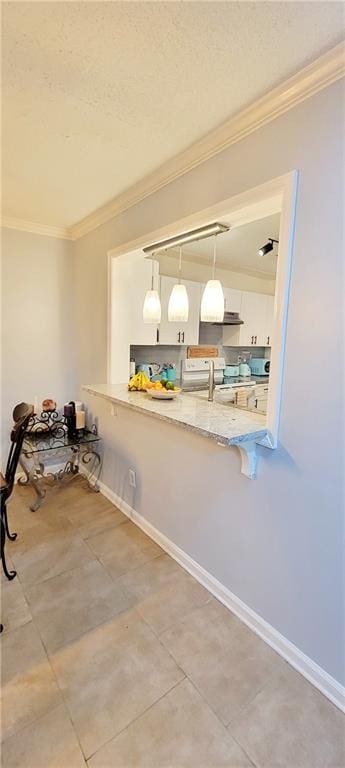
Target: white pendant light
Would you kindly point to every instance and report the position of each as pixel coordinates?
(152, 305)
(212, 304)
(178, 308)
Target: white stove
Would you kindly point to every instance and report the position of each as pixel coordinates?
(195, 371)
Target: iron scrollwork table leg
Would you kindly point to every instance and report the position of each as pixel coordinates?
(9, 574)
(92, 458)
(11, 536)
(32, 478)
(71, 467)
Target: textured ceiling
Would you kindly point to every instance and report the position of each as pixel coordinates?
(237, 248)
(96, 95)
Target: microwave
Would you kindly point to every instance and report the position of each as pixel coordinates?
(259, 366)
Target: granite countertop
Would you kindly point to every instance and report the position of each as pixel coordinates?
(230, 381)
(223, 423)
(251, 379)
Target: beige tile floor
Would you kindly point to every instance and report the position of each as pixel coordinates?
(114, 657)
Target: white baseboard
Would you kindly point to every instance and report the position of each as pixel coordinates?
(334, 691)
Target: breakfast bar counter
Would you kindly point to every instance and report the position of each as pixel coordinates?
(227, 425)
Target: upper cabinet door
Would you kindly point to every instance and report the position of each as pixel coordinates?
(269, 321)
(257, 314)
(253, 314)
(232, 299)
(180, 333)
(141, 333)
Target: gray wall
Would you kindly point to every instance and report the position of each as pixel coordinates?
(277, 542)
(37, 354)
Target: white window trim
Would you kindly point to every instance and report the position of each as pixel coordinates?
(277, 195)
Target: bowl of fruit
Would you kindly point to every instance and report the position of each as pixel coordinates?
(162, 390)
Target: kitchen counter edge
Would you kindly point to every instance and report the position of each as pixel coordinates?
(121, 398)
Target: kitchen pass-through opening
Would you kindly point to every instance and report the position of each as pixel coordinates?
(253, 263)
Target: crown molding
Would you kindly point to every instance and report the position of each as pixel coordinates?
(327, 69)
(37, 229)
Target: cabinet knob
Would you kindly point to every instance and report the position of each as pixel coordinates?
(182, 337)
(179, 336)
(256, 338)
(252, 341)
(268, 340)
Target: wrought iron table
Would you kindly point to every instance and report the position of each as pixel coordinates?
(48, 438)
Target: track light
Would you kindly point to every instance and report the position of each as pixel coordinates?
(187, 237)
(268, 247)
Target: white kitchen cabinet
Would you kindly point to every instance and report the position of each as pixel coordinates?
(139, 283)
(256, 311)
(232, 299)
(180, 333)
(269, 321)
(253, 314)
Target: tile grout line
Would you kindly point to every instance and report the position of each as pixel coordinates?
(75, 534)
(131, 570)
(218, 718)
(36, 719)
(251, 759)
(31, 723)
(224, 725)
(144, 712)
(113, 578)
(61, 692)
(175, 623)
(63, 701)
(161, 644)
(142, 618)
(250, 702)
(86, 632)
(56, 576)
(186, 676)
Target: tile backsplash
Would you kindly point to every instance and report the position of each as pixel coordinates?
(162, 353)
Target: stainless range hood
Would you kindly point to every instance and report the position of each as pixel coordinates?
(230, 318)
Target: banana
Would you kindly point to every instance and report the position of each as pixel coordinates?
(138, 382)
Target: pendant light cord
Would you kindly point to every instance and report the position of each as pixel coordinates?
(180, 267)
(214, 257)
(152, 273)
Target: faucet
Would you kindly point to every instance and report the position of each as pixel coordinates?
(211, 384)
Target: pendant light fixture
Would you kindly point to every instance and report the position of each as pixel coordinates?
(152, 305)
(178, 308)
(212, 304)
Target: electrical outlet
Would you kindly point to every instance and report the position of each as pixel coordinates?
(132, 478)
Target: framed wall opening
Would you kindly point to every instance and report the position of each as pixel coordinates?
(127, 261)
